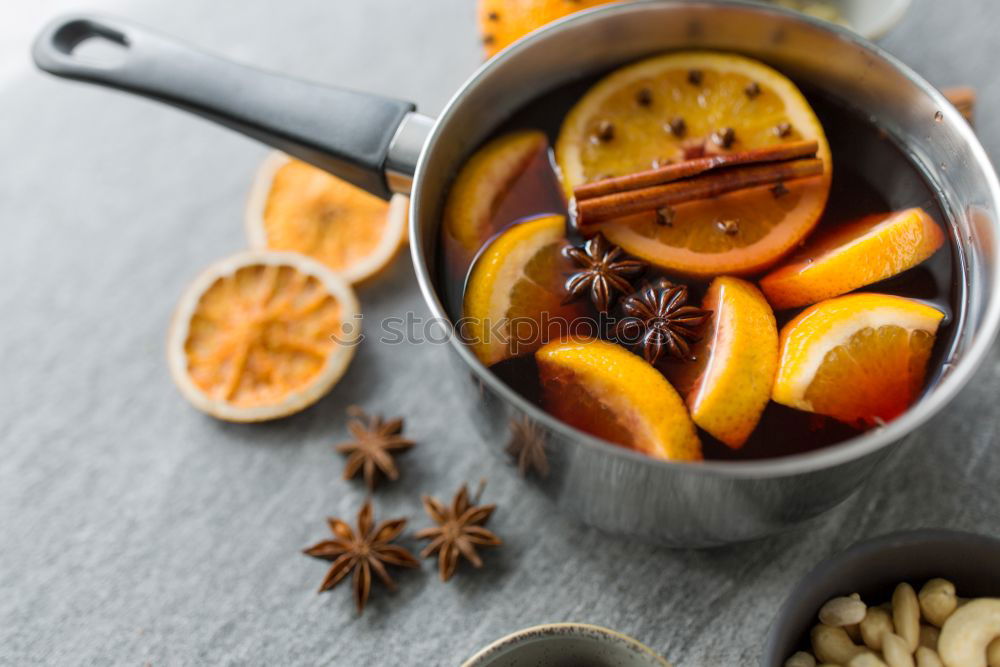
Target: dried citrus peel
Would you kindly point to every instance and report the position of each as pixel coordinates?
(262, 335)
(295, 207)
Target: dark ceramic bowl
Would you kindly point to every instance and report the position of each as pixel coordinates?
(873, 568)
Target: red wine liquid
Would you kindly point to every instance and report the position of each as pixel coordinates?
(870, 175)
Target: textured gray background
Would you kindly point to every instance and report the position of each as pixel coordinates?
(135, 530)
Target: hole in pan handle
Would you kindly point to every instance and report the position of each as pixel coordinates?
(344, 132)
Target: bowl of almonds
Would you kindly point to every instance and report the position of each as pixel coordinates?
(925, 598)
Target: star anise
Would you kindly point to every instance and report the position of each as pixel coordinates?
(527, 447)
(459, 531)
(658, 319)
(363, 552)
(604, 271)
(374, 442)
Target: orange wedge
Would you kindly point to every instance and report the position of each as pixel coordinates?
(296, 207)
(502, 22)
(480, 188)
(860, 358)
(729, 383)
(607, 391)
(672, 107)
(853, 255)
(262, 335)
(514, 298)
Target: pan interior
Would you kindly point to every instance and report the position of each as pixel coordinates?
(832, 61)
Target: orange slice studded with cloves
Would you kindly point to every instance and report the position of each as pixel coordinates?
(262, 335)
(680, 106)
(296, 207)
(502, 22)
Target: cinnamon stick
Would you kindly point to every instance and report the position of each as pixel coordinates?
(673, 172)
(719, 182)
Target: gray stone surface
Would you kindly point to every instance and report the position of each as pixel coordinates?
(134, 530)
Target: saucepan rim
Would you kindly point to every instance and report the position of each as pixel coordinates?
(827, 457)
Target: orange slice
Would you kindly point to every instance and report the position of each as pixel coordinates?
(262, 335)
(480, 188)
(860, 358)
(729, 383)
(514, 296)
(296, 207)
(671, 107)
(607, 391)
(502, 22)
(853, 255)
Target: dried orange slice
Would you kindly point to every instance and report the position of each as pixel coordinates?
(729, 383)
(860, 358)
(514, 298)
(296, 207)
(262, 335)
(481, 187)
(853, 255)
(607, 391)
(502, 22)
(672, 107)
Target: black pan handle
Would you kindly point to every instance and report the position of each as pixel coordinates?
(344, 132)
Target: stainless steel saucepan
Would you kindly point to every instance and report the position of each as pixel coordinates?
(384, 146)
